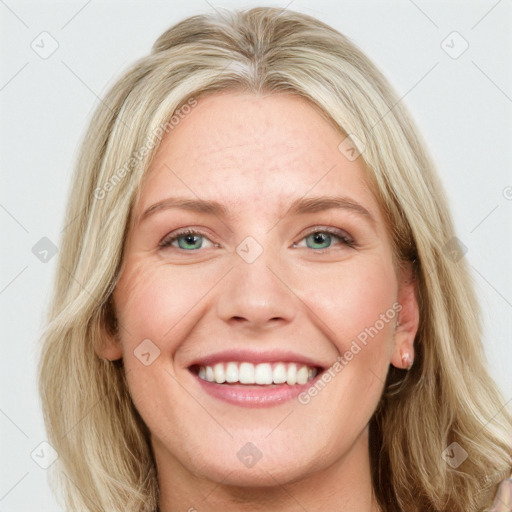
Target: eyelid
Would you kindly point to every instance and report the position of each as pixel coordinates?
(343, 235)
(171, 237)
(328, 229)
(346, 238)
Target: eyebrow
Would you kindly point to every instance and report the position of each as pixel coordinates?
(298, 207)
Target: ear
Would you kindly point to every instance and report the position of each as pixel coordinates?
(108, 343)
(408, 319)
(109, 347)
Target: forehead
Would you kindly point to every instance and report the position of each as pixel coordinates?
(252, 152)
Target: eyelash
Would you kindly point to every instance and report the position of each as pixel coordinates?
(338, 233)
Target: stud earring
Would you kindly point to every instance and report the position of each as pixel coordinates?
(407, 360)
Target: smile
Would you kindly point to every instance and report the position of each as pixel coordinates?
(255, 379)
(262, 374)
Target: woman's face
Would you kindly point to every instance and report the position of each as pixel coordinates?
(288, 270)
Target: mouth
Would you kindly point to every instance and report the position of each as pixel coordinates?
(258, 382)
(262, 374)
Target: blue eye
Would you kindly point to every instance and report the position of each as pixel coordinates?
(318, 237)
(190, 240)
(322, 238)
(187, 240)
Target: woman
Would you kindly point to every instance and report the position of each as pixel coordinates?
(260, 303)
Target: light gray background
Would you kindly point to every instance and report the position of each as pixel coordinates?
(462, 105)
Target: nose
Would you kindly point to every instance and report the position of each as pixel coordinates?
(257, 295)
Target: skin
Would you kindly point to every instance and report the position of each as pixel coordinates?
(255, 155)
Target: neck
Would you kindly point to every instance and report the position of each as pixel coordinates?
(345, 485)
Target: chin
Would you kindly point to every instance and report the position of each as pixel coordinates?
(252, 465)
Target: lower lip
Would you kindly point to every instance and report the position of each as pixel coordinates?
(253, 395)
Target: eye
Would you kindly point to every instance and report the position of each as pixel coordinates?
(321, 238)
(187, 239)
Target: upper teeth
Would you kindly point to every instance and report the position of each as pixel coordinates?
(262, 373)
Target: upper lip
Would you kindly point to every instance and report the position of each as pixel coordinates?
(255, 357)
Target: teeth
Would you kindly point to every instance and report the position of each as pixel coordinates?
(302, 375)
(262, 373)
(218, 372)
(291, 374)
(232, 372)
(246, 373)
(279, 373)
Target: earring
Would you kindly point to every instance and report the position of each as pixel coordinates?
(407, 360)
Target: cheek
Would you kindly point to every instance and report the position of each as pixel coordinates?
(353, 299)
(358, 309)
(153, 305)
(152, 300)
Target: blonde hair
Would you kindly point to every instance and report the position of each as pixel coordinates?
(105, 457)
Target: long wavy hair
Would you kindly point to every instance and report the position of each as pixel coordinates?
(105, 457)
